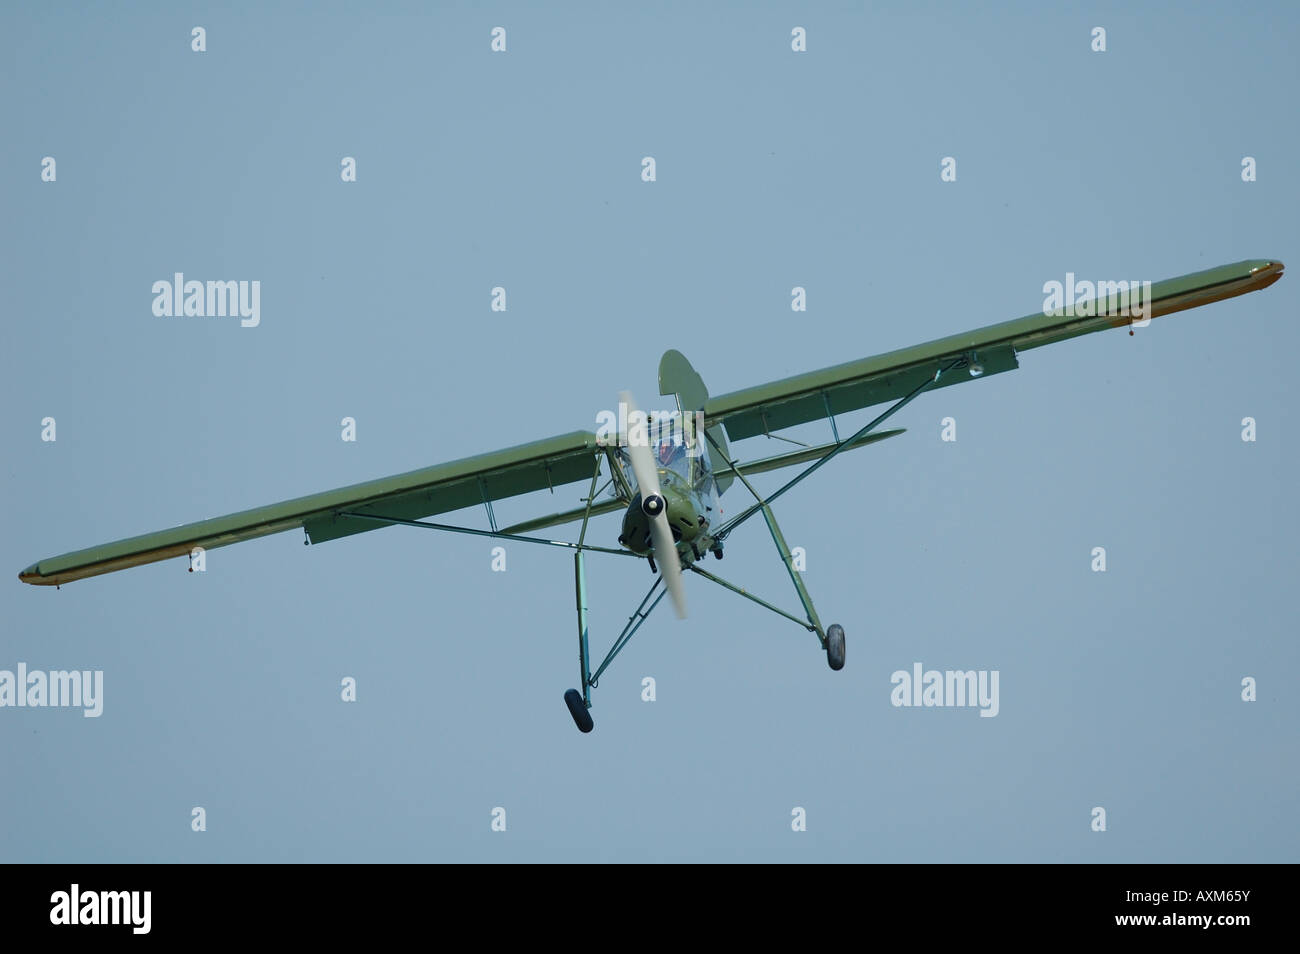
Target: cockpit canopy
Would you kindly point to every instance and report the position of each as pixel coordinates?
(676, 461)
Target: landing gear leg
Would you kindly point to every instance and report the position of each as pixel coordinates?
(832, 640)
(580, 702)
(795, 576)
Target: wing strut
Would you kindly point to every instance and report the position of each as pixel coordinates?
(813, 624)
(736, 521)
(484, 533)
(633, 624)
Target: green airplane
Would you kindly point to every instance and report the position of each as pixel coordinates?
(667, 471)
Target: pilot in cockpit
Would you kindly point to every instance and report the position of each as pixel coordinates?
(671, 454)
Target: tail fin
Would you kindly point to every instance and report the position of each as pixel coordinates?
(677, 377)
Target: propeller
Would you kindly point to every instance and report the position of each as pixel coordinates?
(655, 508)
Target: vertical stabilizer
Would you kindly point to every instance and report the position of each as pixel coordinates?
(677, 377)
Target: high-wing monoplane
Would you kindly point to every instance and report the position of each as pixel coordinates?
(666, 471)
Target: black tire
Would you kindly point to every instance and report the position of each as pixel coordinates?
(578, 709)
(835, 646)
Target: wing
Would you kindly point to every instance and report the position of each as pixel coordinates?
(570, 457)
(410, 496)
(888, 377)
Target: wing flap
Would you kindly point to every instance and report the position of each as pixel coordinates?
(545, 470)
(860, 391)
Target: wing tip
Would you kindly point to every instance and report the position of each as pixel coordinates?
(32, 575)
(1266, 273)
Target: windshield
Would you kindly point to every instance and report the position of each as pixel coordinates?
(670, 455)
(669, 458)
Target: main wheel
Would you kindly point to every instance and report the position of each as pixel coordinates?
(835, 646)
(578, 709)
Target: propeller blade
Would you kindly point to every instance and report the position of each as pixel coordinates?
(643, 464)
(669, 565)
(655, 508)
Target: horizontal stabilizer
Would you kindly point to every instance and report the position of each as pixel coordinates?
(569, 516)
(808, 454)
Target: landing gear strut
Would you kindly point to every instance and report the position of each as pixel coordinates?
(579, 703)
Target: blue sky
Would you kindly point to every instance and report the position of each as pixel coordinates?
(775, 169)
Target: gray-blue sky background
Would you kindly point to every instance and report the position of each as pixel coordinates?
(775, 169)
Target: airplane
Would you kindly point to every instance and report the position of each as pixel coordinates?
(668, 471)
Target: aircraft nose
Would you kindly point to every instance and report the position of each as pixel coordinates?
(681, 516)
